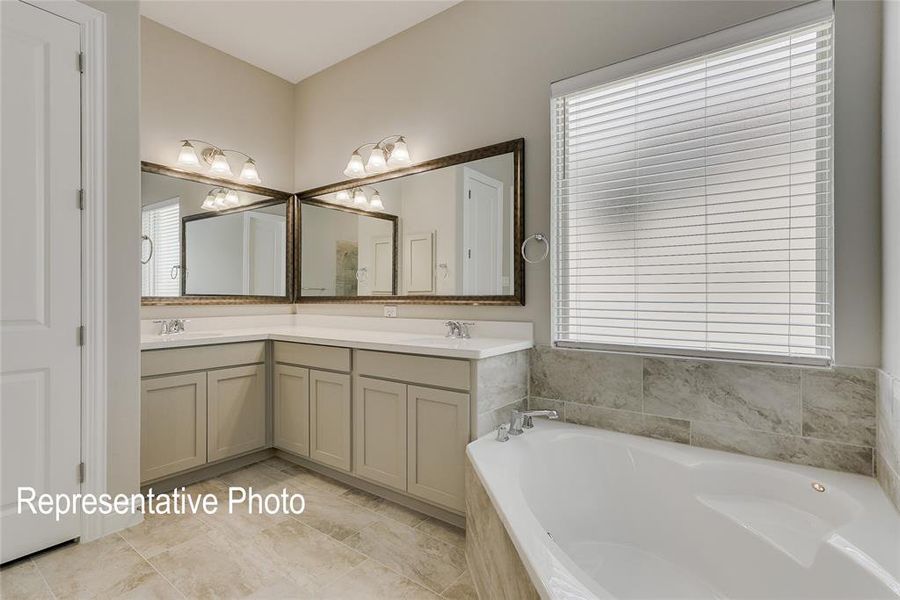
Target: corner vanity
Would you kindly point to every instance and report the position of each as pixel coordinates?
(388, 404)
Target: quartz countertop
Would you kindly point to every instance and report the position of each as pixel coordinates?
(364, 333)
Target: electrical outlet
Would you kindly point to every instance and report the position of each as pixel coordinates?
(390, 311)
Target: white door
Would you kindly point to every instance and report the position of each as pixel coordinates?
(40, 272)
(264, 254)
(482, 233)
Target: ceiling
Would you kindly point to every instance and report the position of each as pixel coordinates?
(292, 39)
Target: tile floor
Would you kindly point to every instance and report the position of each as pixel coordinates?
(348, 544)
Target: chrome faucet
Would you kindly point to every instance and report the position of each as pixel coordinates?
(522, 419)
(170, 326)
(458, 329)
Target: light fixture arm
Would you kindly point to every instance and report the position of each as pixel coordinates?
(218, 148)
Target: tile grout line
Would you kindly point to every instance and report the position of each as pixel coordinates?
(43, 578)
(152, 566)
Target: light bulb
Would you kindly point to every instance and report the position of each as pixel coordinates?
(342, 196)
(220, 165)
(220, 200)
(355, 167)
(376, 162)
(359, 198)
(187, 155)
(209, 203)
(399, 154)
(232, 199)
(249, 172)
(375, 202)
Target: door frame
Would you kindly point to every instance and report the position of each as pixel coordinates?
(93, 25)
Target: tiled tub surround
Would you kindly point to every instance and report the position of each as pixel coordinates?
(887, 437)
(502, 384)
(817, 417)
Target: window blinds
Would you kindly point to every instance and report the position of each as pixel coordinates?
(162, 222)
(692, 205)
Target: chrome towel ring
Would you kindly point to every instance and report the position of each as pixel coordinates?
(146, 238)
(538, 237)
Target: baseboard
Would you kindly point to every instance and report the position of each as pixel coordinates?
(167, 484)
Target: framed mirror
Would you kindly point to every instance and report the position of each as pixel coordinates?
(212, 241)
(447, 231)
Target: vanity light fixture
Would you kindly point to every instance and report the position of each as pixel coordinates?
(375, 202)
(220, 198)
(357, 197)
(342, 196)
(217, 160)
(390, 152)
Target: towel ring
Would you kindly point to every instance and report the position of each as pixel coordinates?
(538, 237)
(146, 238)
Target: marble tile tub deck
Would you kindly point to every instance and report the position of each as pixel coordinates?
(348, 544)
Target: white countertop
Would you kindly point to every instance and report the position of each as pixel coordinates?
(409, 336)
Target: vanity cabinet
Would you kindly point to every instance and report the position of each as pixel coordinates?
(312, 402)
(291, 409)
(173, 424)
(236, 411)
(200, 405)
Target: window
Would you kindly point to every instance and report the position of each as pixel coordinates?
(692, 206)
(161, 274)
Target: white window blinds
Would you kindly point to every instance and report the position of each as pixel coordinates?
(692, 205)
(161, 275)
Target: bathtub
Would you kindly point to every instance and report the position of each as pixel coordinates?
(598, 514)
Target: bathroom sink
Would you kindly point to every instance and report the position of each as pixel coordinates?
(190, 336)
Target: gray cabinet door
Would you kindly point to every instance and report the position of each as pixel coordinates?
(173, 424)
(379, 431)
(329, 419)
(237, 411)
(438, 431)
(291, 409)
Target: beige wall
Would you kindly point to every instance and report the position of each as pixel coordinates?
(189, 89)
(123, 245)
(480, 73)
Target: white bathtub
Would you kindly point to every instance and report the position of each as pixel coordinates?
(597, 514)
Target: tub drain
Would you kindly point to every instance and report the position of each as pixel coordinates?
(818, 486)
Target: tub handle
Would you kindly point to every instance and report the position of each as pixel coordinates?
(503, 433)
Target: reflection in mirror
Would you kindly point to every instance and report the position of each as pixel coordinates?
(202, 239)
(346, 252)
(456, 233)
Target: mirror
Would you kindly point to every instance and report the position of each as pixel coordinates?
(210, 240)
(346, 252)
(447, 231)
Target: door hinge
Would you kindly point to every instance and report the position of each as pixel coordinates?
(81, 335)
(81, 199)
(81, 472)
(470, 194)
(81, 62)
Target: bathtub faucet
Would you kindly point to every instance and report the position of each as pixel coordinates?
(521, 419)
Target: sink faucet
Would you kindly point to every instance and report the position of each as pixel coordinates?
(458, 329)
(522, 419)
(170, 326)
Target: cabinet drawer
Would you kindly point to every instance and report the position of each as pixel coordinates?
(310, 355)
(196, 358)
(441, 372)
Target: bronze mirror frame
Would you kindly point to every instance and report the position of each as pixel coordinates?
(272, 197)
(517, 298)
(298, 252)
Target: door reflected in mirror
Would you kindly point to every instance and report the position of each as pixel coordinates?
(456, 233)
(210, 239)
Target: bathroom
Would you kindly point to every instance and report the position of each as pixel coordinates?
(691, 274)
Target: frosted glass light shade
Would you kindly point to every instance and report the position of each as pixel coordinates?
(359, 198)
(232, 199)
(342, 196)
(376, 162)
(375, 201)
(355, 167)
(220, 165)
(399, 154)
(209, 203)
(249, 172)
(187, 155)
(220, 200)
